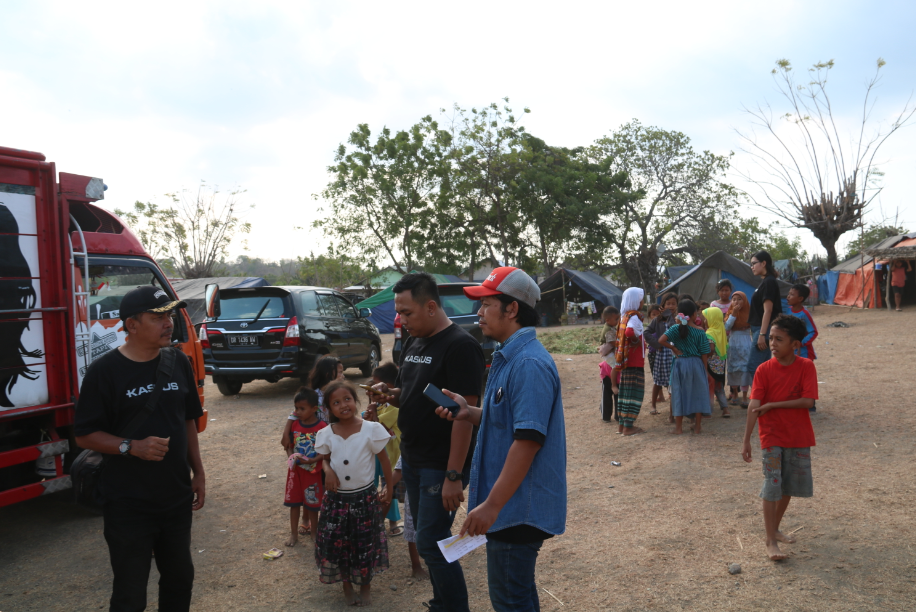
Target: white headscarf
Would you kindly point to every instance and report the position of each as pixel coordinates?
(632, 300)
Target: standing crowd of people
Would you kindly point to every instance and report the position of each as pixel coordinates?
(503, 441)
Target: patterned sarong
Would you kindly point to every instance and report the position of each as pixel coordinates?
(632, 389)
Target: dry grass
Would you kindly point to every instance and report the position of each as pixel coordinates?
(572, 340)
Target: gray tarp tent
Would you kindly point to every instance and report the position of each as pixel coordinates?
(700, 282)
(192, 291)
(580, 287)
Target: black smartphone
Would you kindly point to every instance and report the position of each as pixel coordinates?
(432, 392)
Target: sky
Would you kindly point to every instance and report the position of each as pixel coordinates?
(154, 98)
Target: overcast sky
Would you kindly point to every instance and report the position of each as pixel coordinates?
(153, 97)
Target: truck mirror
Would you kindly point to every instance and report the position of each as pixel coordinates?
(212, 301)
(365, 313)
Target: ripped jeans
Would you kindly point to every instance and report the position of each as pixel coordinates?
(432, 523)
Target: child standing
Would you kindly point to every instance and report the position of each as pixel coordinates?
(796, 299)
(387, 415)
(724, 291)
(651, 313)
(608, 350)
(715, 363)
(689, 388)
(351, 546)
(661, 370)
(303, 479)
(410, 534)
(630, 361)
(739, 347)
(784, 388)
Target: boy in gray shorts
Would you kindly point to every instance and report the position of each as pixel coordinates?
(785, 387)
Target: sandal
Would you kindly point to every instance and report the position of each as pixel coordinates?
(655, 412)
(305, 529)
(396, 531)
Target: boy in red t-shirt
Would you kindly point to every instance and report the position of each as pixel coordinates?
(785, 387)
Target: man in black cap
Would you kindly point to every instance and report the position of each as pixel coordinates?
(146, 480)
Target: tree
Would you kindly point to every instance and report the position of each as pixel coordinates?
(681, 196)
(875, 233)
(806, 175)
(384, 191)
(193, 233)
(333, 269)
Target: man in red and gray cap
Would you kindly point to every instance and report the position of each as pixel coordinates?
(521, 445)
(146, 482)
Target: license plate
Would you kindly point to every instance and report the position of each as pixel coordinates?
(235, 340)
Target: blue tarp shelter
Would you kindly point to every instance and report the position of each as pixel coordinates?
(826, 286)
(580, 287)
(382, 304)
(192, 291)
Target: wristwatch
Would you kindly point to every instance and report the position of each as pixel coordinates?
(452, 475)
(124, 447)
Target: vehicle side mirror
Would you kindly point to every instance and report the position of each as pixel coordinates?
(212, 301)
(365, 313)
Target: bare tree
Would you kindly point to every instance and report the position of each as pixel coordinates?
(806, 175)
(194, 233)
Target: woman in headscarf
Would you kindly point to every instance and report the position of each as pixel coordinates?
(739, 347)
(630, 360)
(715, 365)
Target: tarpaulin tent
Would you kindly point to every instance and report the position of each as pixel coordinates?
(700, 282)
(675, 272)
(382, 304)
(192, 291)
(856, 276)
(579, 287)
(826, 286)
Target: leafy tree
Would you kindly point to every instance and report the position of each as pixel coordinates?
(875, 233)
(193, 233)
(384, 190)
(808, 176)
(682, 196)
(334, 269)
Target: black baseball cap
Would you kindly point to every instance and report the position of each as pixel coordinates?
(147, 298)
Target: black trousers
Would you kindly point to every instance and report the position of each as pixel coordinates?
(132, 538)
(608, 401)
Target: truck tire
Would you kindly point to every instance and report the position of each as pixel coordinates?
(227, 386)
(371, 362)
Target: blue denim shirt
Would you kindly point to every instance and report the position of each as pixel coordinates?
(523, 392)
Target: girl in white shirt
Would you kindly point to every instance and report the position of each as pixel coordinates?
(351, 546)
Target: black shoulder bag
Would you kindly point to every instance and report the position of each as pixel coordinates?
(87, 467)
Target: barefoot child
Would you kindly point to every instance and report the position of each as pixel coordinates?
(410, 534)
(351, 546)
(661, 368)
(608, 350)
(689, 388)
(303, 480)
(652, 311)
(387, 415)
(796, 299)
(739, 348)
(785, 387)
(715, 362)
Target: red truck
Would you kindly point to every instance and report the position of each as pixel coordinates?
(65, 264)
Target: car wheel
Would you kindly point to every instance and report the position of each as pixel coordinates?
(372, 362)
(227, 386)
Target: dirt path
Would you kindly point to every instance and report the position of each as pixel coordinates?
(681, 508)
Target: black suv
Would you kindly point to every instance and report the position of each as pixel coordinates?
(462, 310)
(269, 333)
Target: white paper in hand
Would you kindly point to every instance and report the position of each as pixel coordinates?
(455, 547)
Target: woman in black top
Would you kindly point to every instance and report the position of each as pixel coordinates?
(766, 305)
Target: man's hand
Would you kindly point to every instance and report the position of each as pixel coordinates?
(746, 452)
(331, 481)
(464, 412)
(762, 409)
(452, 494)
(150, 449)
(479, 520)
(198, 488)
(380, 394)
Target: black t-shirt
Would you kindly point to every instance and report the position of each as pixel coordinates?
(113, 391)
(768, 290)
(453, 360)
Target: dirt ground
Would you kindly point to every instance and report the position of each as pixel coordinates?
(655, 533)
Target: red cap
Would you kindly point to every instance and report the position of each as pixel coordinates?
(507, 281)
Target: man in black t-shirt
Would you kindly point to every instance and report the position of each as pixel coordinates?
(146, 480)
(436, 454)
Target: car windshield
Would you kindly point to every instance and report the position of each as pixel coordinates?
(248, 307)
(459, 305)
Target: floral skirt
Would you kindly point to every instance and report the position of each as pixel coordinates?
(351, 545)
